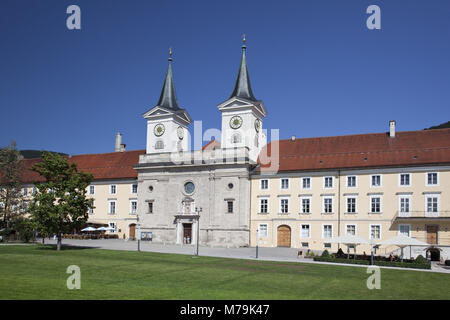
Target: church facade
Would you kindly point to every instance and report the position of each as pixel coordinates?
(203, 194)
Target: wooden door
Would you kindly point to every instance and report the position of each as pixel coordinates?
(432, 233)
(132, 231)
(187, 233)
(284, 236)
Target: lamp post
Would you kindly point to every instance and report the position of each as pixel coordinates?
(197, 210)
(257, 236)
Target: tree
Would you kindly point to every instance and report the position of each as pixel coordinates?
(11, 197)
(60, 204)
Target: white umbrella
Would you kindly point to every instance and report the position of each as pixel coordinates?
(403, 241)
(349, 240)
(89, 229)
(102, 229)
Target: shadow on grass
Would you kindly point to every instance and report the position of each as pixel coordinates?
(64, 247)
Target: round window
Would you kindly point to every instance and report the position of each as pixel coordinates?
(189, 187)
(230, 186)
(150, 188)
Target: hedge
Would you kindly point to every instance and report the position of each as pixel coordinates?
(413, 265)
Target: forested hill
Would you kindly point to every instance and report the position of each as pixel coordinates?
(30, 154)
(441, 126)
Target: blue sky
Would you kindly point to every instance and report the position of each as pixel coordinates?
(316, 66)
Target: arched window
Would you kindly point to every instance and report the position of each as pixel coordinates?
(159, 144)
(236, 138)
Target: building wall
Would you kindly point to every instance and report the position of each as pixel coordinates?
(389, 191)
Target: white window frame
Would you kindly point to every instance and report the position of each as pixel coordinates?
(288, 205)
(400, 180)
(437, 179)
(131, 206)
(370, 204)
(371, 180)
(356, 181)
(370, 231)
(111, 188)
(310, 183)
(404, 225)
(110, 224)
(324, 182)
(24, 191)
(92, 189)
(134, 184)
(433, 195)
(281, 183)
(323, 230)
(261, 184)
(405, 213)
(259, 205)
(109, 207)
(91, 210)
(301, 204)
(309, 231)
(356, 203)
(323, 204)
(351, 224)
(259, 234)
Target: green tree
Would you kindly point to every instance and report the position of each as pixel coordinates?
(60, 204)
(11, 197)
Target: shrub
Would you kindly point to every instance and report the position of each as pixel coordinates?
(325, 254)
(420, 259)
(414, 265)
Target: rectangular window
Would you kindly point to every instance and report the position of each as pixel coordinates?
(112, 226)
(284, 205)
(133, 206)
(264, 184)
(375, 232)
(305, 231)
(306, 183)
(328, 182)
(263, 205)
(305, 244)
(404, 229)
(327, 245)
(376, 180)
(24, 191)
(328, 205)
(284, 183)
(405, 179)
(404, 204)
(327, 231)
(306, 205)
(375, 205)
(351, 205)
(134, 188)
(351, 181)
(112, 189)
(229, 206)
(351, 230)
(262, 230)
(112, 207)
(91, 210)
(91, 189)
(432, 204)
(432, 178)
(150, 207)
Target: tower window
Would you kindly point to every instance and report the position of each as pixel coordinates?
(159, 144)
(236, 138)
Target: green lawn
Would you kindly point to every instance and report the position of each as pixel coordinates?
(39, 272)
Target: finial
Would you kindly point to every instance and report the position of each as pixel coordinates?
(243, 42)
(170, 54)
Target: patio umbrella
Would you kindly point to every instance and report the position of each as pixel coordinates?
(349, 240)
(102, 229)
(89, 229)
(403, 241)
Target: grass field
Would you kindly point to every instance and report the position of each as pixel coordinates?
(39, 272)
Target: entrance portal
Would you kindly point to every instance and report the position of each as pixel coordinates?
(284, 236)
(187, 233)
(132, 231)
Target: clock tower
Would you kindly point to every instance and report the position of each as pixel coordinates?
(166, 122)
(242, 115)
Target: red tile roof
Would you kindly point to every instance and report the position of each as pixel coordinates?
(409, 148)
(103, 166)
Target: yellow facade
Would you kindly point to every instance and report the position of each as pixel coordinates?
(417, 220)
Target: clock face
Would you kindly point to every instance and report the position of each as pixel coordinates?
(236, 122)
(257, 125)
(159, 130)
(180, 133)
